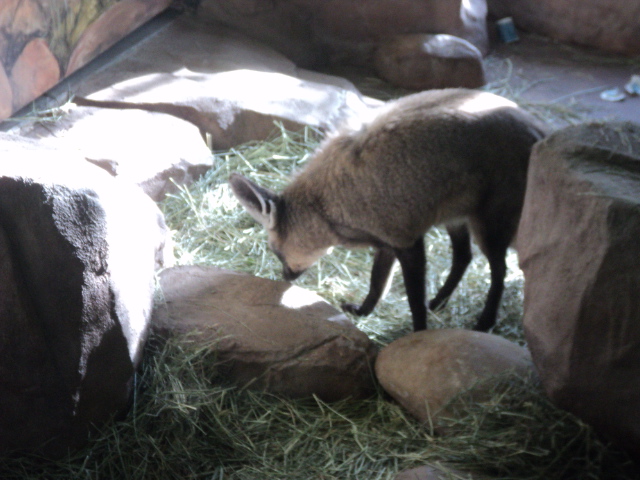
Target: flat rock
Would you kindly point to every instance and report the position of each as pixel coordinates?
(228, 86)
(269, 334)
(424, 371)
(579, 251)
(78, 254)
(155, 151)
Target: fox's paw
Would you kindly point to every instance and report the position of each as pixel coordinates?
(353, 308)
(485, 323)
(438, 303)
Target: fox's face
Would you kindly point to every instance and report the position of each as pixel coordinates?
(295, 254)
(298, 240)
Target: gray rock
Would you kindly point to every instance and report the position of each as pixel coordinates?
(424, 371)
(578, 247)
(421, 62)
(78, 252)
(268, 334)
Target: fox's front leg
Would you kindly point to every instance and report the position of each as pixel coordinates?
(380, 276)
(414, 269)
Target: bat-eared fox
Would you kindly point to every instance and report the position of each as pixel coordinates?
(454, 157)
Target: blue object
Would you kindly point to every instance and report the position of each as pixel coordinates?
(507, 30)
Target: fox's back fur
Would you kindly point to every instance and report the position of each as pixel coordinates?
(435, 157)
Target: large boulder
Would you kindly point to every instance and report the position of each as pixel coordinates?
(579, 250)
(611, 26)
(425, 371)
(267, 334)
(78, 252)
(313, 33)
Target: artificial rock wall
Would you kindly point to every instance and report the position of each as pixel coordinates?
(42, 42)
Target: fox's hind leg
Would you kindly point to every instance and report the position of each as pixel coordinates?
(414, 268)
(461, 246)
(497, 262)
(380, 276)
(494, 240)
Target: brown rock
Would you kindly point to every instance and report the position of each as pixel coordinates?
(116, 22)
(422, 62)
(154, 151)
(611, 26)
(36, 70)
(579, 250)
(311, 32)
(78, 253)
(269, 334)
(424, 371)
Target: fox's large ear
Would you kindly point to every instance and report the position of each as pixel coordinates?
(258, 201)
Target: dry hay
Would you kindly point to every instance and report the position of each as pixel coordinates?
(186, 423)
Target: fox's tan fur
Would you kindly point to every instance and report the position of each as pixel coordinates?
(455, 157)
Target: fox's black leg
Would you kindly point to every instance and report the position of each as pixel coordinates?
(414, 268)
(461, 245)
(380, 276)
(498, 264)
